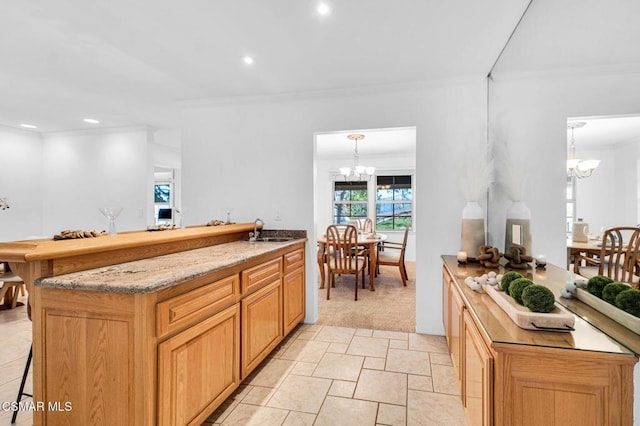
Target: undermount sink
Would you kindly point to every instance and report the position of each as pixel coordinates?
(273, 239)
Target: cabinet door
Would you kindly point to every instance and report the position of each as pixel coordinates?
(478, 376)
(199, 368)
(446, 307)
(294, 299)
(457, 344)
(261, 325)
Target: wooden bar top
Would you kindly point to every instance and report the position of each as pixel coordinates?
(49, 249)
(593, 330)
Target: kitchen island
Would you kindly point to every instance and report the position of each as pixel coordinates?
(128, 335)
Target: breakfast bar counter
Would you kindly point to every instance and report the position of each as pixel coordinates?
(155, 328)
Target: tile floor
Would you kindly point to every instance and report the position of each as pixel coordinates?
(327, 375)
(320, 375)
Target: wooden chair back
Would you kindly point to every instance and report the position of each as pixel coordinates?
(620, 252)
(367, 227)
(343, 244)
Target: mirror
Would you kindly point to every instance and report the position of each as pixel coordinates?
(608, 195)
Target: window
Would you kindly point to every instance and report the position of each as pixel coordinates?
(394, 202)
(349, 201)
(162, 193)
(163, 201)
(571, 205)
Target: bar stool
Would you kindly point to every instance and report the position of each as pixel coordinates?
(12, 286)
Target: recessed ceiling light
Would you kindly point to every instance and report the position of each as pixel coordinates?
(91, 121)
(28, 126)
(323, 9)
(248, 60)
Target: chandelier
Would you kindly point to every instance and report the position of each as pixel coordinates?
(358, 171)
(576, 167)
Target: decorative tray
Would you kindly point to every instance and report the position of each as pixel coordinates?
(557, 320)
(618, 315)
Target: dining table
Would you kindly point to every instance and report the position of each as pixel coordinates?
(591, 248)
(369, 242)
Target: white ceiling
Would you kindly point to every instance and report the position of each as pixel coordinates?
(599, 132)
(132, 62)
(376, 142)
(128, 62)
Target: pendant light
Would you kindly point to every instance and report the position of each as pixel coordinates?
(357, 172)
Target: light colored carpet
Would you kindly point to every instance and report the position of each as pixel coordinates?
(391, 307)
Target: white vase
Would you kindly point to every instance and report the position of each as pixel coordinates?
(472, 235)
(518, 229)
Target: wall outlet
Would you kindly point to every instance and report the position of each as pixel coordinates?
(278, 218)
(140, 213)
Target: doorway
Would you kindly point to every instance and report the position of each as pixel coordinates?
(387, 197)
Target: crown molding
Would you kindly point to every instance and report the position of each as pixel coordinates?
(331, 93)
(101, 130)
(568, 73)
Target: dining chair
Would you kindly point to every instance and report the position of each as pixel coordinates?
(392, 254)
(619, 256)
(344, 256)
(367, 226)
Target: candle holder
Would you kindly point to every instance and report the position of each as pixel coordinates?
(541, 261)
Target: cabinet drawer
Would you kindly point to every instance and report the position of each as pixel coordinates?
(261, 275)
(181, 311)
(293, 260)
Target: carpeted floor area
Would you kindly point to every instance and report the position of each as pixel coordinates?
(391, 307)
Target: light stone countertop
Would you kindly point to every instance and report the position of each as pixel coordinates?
(157, 273)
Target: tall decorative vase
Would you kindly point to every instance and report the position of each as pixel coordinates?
(473, 235)
(518, 230)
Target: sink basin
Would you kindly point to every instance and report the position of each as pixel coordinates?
(274, 239)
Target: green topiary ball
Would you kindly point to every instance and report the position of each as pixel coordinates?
(629, 301)
(596, 284)
(538, 298)
(507, 278)
(611, 290)
(516, 287)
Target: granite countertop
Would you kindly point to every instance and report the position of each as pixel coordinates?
(157, 273)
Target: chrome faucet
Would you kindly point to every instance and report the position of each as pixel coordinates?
(253, 236)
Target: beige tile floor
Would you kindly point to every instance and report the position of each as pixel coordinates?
(320, 375)
(327, 375)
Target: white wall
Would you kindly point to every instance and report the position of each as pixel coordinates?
(86, 170)
(20, 183)
(609, 196)
(257, 158)
(533, 114)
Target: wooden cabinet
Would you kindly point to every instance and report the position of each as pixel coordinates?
(293, 290)
(199, 368)
(457, 343)
(164, 357)
(261, 325)
(478, 375)
(511, 376)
